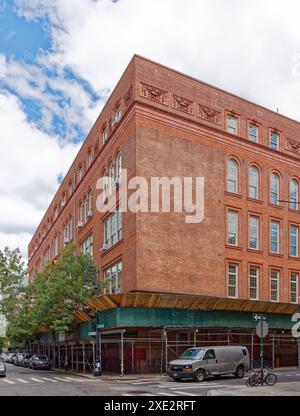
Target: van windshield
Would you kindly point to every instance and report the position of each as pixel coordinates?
(192, 354)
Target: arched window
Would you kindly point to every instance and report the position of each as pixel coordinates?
(274, 189)
(86, 207)
(81, 211)
(233, 176)
(111, 176)
(90, 203)
(253, 182)
(294, 194)
(119, 167)
(105, 184)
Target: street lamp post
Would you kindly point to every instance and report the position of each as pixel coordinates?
(92, 272)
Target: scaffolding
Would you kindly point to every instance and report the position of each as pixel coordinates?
(149, 350)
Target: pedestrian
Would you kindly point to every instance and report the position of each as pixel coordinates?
(66, 365)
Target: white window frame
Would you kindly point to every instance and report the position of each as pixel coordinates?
(113, 278)
(232, 125)
(272, 144)
(253, 236)
(233, 176)
(274, 189)
(233, 228)
(236, 277)
(296, 236)
(253, 183)
(294, 195)
(277, 242)
(277, 290)
(253, 138)
(254, 278)
(294, 281)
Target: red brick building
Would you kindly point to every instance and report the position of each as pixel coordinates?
(245, 254)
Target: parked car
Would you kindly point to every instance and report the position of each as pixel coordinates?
(200, 363)
(2, 369)
(19, 359)
(9, 357)
(39, 362)
(26, 359)
(13, 359)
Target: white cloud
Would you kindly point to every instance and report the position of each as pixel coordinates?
(247, 47)
(30, 161)
(242, 46)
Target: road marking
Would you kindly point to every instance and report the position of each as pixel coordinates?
(50, 379)
(184, 393)
(8, 381)
(36, 379)
(79, 380)
(201, 387)
(63, 379)
(21, 380)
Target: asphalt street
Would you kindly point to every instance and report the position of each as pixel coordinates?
(24, 382)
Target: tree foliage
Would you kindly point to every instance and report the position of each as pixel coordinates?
(51, 299)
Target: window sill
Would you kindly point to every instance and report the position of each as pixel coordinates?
(252, 250)
(276, 255)
(103, 253)
(294, 258)
(233, 195)
(257, 201)
(233, 247)
(275, 206)
(295, 211)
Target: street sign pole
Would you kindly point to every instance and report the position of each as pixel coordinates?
(262, 344)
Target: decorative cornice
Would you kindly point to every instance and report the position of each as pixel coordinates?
(209, 114)
(153, 93)
(292, 145)
(183, 104)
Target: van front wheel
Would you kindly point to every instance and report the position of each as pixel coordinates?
(200, 376)
(240, 372)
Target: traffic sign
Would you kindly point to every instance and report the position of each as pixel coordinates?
(92, 334)
(100, 326)
(258, 317)
(262, 329)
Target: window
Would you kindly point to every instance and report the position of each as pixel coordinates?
(274, 230)
(81, 211)
(86, 208)
(209, 355)
(113, 228)
(294, 195)
(113, 279)
(232, 280)
(104, 135)
(71, 228)
(233, 176)
(233, 228)
(119, 167)
(274, 141)
(294, 287)
(87, 246)
(254, 283)
(70, 189)
(254, 233)
(294, 241)
(118, 115)
(274, 189)
(111, 177)
(105, 184)
(253, 133)
(253, 182)
(232, 124)
(90, 158)
(90, 201)
(80, 173)
(275, 286)
(56, 246)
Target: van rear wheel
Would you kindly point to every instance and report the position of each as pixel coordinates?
(240, 372)
(200, 376)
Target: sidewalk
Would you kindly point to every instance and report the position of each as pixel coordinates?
(113, 377)
(280, 389)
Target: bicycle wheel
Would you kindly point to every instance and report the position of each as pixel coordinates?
(271, 379)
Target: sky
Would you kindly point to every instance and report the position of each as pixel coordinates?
(60, 60)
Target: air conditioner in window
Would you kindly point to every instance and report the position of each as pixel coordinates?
(89, 214)
(118, 182)
(105, 247)
(66, 240)
(80, 224)
(62, 204)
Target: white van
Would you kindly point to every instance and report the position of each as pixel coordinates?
(200, 363)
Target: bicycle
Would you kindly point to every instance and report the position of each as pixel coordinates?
(261, 377)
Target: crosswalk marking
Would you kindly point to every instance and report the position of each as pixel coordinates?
(8, 381)
(21, 380)
(50, 379)
(184, 393)
(199, 387)
(80, 380)
(63, 379)
(36, 379)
